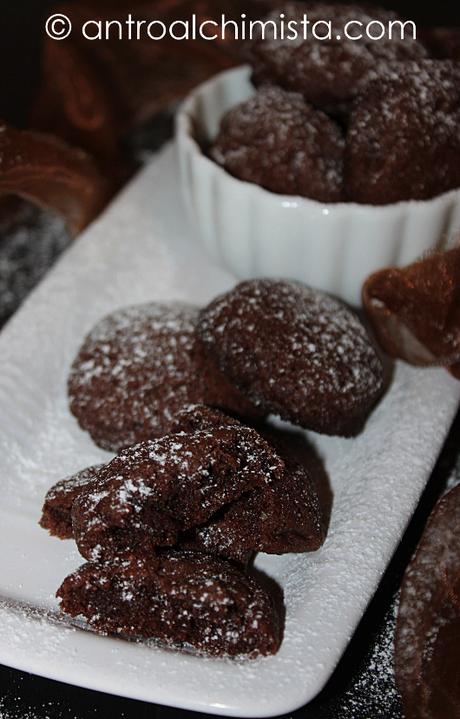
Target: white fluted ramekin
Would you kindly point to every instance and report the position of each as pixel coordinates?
(255, 233)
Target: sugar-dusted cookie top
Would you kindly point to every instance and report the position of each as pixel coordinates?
(404, 135)
(153, 491)
(137, 368)
(297, 352)
(329, 72)
(278, 141)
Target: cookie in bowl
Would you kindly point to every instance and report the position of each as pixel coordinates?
(182, 599)
(328, 73)
(403, 139)
(257, 232)
(278, 141)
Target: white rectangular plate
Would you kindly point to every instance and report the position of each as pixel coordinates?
(139, 250)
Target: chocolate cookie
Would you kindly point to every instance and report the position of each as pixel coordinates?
(57, 508)
(137, 368)
(404, 135)
(153, 491)
(56, 512)
(327, 72)
(280, 517)
(277, 141)
(265, 521)
(179, 598)
(297, 352)
(428, 629)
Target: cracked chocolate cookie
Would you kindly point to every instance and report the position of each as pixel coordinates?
(180, 598)
(277, 518)
(153, 491)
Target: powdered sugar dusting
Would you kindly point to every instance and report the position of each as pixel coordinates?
(72, 484)
(192, 599)
(279, 142)
(27, 250)
(404, 134)
(137, 368)
(310, 66)
(373, 693)
(151, 491)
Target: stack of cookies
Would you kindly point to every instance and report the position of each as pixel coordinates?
(200, 481)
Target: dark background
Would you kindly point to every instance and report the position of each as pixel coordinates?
(23, 696)
(21, 29)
